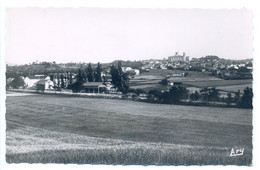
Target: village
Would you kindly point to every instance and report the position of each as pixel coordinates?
(138, 79)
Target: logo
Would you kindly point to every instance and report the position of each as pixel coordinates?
(237, 152)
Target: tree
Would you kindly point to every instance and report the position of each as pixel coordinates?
(70, 80)
(195, 96)
(51, 77)
(119, 78)
(214, 95)
(62, 81)
(76, 87)
(229, 99)
(164, 82)
(90, 73)
(139, 91)
(246, 99)
(119, 67)
(116, 78)
(58, 77)
(175, 95)
(210, 94)
(237, 97)
(153, 95)
(98, 71)
(125, 82)
(104, 78)
(17, 82)
(205, 94)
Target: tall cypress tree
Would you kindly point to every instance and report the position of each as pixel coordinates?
(76, 87)
(90, 73)
(62, 80)
(119, 78)
(98, 77)
(247, 98)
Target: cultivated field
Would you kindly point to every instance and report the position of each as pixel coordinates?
(58, 129)
(150, 80)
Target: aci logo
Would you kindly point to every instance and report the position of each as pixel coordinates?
(237, 152)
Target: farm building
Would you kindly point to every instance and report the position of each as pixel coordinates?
(44, 84)
(9, 82)
(98, 87)
(30, 81)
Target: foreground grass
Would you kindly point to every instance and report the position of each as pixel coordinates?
(35, 145)
(54, 129)
(166, 156)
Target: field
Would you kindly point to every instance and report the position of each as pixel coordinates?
(150, 80)
(58, 129)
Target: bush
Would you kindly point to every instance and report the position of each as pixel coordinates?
(195, 96)
(246, 100)
(164, 82)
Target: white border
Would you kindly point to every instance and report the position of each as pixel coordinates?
(202, 4)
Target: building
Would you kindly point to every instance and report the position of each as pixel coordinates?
(98, 87)
(178, 57)
(130, 71)
(30, 81)
(43, 84)
(9, 82)
(125, 69)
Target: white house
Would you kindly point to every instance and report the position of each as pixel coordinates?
(30, 81)
(45, 84)
(125, 69)
(137, 72)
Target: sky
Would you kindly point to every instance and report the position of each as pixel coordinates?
(106, 34)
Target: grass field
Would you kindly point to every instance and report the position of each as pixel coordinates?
(58, 129)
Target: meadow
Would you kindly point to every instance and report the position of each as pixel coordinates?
(44, 128)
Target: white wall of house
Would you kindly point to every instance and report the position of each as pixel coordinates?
(30, 82)
(49, 84)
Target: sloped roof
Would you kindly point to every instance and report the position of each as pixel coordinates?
(9, 80)
(37, 77)
(42, 81)
(93, 84)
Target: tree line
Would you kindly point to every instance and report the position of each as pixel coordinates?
(119, 79)
(178, 95)
(88, 74)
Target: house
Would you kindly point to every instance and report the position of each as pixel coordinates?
(9, 82)
(30, 81)
(125, 69)
(133, 72)
(98, 87)
(17, 82)
(44, 85)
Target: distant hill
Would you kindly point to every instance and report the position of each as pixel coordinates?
(132, 64)
(11, 64)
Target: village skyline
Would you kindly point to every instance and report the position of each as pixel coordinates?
(86, 62)
(104, 35)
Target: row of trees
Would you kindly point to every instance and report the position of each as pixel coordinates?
(177, 94)
(173, 96)
(119, 78)
(88, 74)
(61, 80)
(244, 101)
(213, 95)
